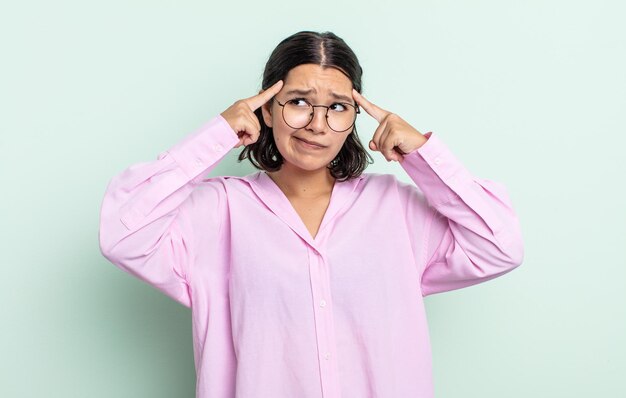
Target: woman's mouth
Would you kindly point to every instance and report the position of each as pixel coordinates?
(306, 144)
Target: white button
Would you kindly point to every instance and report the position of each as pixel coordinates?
(198, 161)
(437, 160)
(322, 303)
(327, 355)
(218, 147)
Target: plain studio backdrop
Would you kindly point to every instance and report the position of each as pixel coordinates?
(531, 94)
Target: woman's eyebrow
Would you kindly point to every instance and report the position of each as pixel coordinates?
(307, 92)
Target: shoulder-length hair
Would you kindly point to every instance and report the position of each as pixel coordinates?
(327, 50)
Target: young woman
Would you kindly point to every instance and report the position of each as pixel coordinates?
(307, 277)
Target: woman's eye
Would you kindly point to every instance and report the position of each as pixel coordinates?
(339, 107)
(296, 100)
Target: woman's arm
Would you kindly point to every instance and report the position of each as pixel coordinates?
(146, 216)
(471, 232)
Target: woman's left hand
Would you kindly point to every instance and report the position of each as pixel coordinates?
(394, 137)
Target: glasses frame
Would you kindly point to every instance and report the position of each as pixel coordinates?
(356, 108)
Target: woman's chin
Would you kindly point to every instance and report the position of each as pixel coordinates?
(307, 166)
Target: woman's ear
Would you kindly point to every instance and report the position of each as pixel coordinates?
(266, 110)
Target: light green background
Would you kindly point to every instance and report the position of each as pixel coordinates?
(531, 94)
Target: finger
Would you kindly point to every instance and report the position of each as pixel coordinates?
(241, 135)
(249, 131)
(247, 126)
(256, 101)
(254, 121)
(388, 144)
(378, 134)
(376, 112)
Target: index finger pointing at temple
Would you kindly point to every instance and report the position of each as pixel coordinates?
(256, 101)
(375, 111)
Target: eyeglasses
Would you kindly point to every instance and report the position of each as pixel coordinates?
(298, 113)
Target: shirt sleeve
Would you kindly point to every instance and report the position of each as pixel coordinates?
(471, 232)
(146, 228)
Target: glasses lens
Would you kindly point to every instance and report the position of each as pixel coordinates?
(341, 116)
(298, 113)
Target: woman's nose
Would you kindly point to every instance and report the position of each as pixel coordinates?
(318, 122)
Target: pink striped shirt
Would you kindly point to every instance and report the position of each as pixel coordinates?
(278, 313)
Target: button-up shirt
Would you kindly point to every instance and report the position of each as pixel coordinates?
(277, 312)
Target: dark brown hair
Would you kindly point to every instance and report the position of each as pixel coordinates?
(327, 50)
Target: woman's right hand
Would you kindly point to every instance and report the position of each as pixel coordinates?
(242, 119)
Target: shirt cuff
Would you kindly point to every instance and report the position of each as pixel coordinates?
(437, 171)
(203, 148)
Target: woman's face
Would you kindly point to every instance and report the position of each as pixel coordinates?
(322, 83)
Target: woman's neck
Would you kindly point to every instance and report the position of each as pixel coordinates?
(303, 184)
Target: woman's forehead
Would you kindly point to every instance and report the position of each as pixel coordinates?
(311, 91)
(310, 79)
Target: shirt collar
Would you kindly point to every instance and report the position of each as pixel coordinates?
(274, 198)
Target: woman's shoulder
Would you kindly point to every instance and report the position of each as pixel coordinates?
(392, 184)
(378, 184)
(229, 184)
(224, 180)
(381, 179)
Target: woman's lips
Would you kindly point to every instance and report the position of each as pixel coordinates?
(308, 145)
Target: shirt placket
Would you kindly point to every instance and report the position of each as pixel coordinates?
(324, 326)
